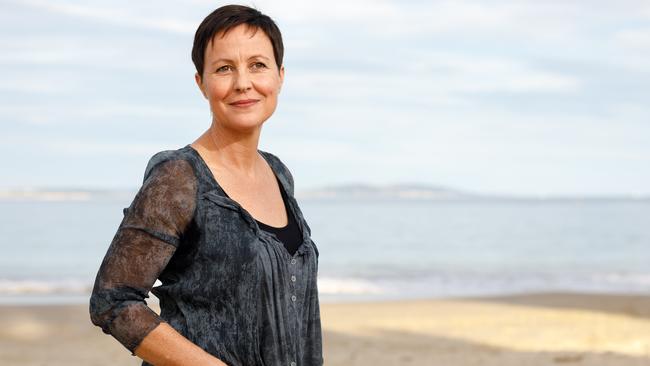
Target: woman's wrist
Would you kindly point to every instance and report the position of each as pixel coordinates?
(164, 346)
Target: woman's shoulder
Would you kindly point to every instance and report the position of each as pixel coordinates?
(280, 168)
(171, 160)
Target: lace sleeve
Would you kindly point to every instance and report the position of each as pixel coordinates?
(149, 234)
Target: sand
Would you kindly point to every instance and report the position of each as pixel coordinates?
(536, 329)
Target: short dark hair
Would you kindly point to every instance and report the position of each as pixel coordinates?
(227, 17)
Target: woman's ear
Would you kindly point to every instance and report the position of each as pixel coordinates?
(281, 77)
(199, 83)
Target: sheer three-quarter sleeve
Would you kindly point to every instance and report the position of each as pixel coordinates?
(150, 232)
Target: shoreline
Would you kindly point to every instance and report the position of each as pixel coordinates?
(522, 329)
(55, 299)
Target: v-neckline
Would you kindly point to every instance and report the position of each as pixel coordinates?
(292, 209)
(281, 186)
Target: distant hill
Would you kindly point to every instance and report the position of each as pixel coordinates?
(66, 194)
(406, 191)
(396, 191)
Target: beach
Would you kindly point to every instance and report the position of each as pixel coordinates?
(531, 329)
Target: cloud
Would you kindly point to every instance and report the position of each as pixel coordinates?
(96, 113)
(115, 15)
(46, 84)
(79, 147)
(468, 73)
(87, 50)
(429, 80)
(631, 48)
(634, 38)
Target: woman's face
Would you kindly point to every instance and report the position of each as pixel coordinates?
(241, 80)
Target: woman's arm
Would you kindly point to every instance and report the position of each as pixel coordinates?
(164, 346)
(143, 245)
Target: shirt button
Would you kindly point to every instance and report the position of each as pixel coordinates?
(293, 278)
(293, 363)
(293, 261)
(293, 297)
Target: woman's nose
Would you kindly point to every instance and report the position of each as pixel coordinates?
(243, 81)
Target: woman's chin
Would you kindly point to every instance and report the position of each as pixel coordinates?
(246, 125)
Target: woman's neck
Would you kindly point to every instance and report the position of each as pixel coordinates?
(232, 150)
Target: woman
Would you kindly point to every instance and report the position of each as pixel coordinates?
(217, 223)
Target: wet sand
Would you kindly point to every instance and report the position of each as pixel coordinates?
(535, 329)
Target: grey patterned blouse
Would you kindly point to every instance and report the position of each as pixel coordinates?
(229, 287)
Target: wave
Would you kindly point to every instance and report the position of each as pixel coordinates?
(356, 286)
(41, 287)
(81, 287)
(442, 284)
(449, 284)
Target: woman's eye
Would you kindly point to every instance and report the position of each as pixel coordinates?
(258, 65)
(224, 68)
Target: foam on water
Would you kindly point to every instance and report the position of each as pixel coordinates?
(331, 288)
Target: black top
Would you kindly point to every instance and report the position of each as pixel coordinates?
(289, 234)
(228, 286)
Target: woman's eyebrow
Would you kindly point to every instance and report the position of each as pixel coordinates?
(220, 60)
(229, 60)
(258, 56)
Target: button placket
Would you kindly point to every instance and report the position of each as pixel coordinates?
(293, 279)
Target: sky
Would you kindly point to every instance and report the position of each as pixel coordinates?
(507, 97)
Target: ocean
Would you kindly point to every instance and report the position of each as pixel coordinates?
(372, 250)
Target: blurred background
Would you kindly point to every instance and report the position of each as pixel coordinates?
(445, 153)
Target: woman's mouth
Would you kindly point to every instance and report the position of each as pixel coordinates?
(244, 102)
